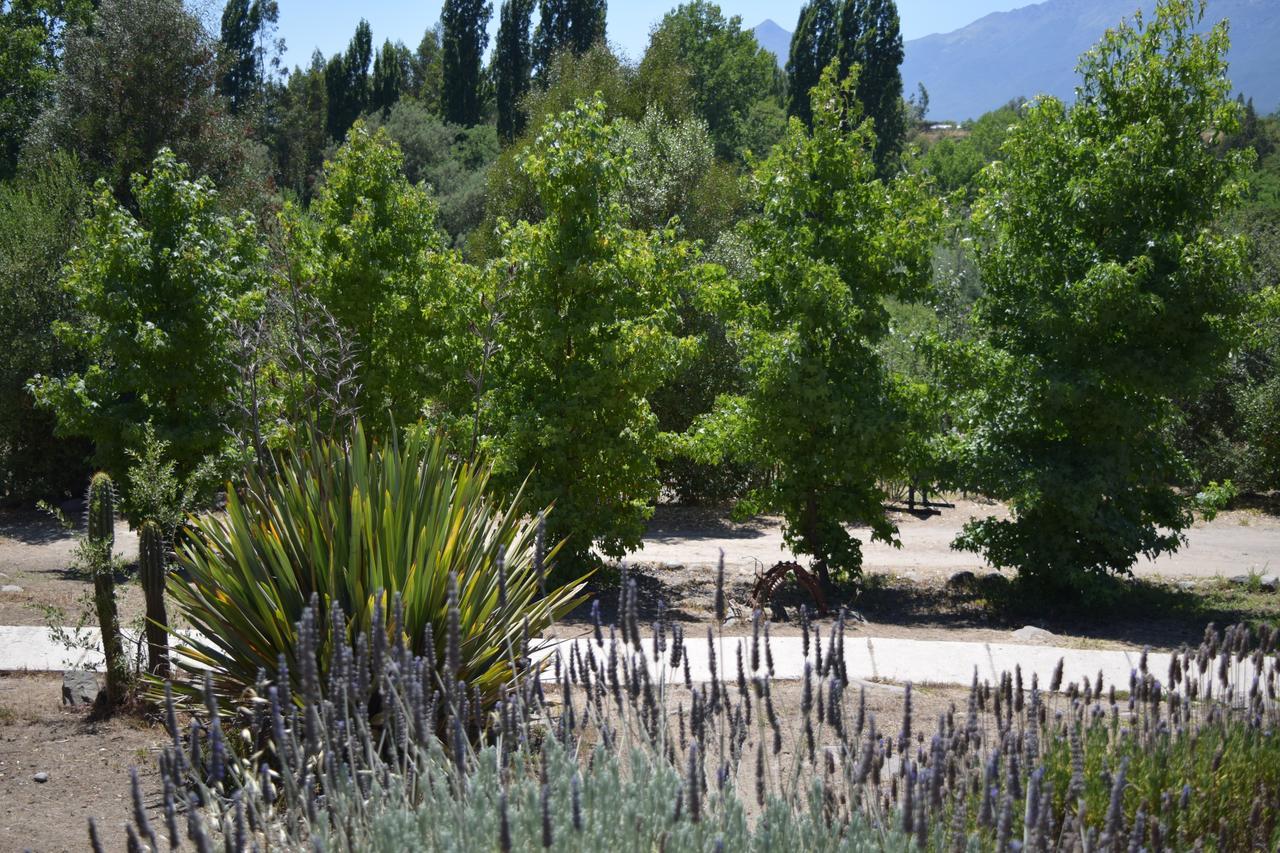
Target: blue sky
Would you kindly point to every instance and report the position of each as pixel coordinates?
(328, 24)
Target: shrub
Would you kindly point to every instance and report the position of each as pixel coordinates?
(381, 534)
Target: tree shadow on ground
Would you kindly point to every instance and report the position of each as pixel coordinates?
(689, 524)
(1138, 612)
(32, 527)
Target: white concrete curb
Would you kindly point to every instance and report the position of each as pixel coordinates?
(866, 658)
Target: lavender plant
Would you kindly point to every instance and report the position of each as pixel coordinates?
(608, 742)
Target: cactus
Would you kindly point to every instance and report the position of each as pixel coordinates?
(101, 524)
(151, 565)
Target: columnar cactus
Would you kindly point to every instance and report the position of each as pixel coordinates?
(151, 564)
(101, 523)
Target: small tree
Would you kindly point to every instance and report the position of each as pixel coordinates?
(156, 295)
(1109, 291)
(589, 308)
(374, 256)
(820, 411)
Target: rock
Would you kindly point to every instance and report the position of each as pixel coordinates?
(41, 777)
(962, 580)
(79, 687)
(1268, 582)
(1032, 634)
(10, 587)
(1188, 586)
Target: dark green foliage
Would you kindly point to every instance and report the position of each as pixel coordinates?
(870, 37)
(119, 101)
(513, 67)
(155, 294)
(427, 71)
(298, 145)
(573, 26)
(31, 40)
(1109, 291)
(100, 509)
(40, 213)
(152, 567)
(464, 37)
(725, 69)
(241, 53)
(346, 82)
(454, 162)
(392, 70)
(814, 46)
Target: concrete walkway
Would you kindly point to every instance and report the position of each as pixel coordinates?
(866, 658)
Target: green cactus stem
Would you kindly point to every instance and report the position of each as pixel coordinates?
(101, 524)
(151, 564)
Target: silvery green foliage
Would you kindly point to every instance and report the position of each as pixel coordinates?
(611, 750)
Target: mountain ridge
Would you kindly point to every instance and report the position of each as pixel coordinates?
(1034, 49)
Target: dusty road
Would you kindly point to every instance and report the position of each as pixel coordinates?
(1234, 543)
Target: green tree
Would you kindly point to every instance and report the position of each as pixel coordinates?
(297, 146)
(155, 295)
(820, 411)
(586, 336)
(31, 38)
(427, 71)
(245, 24)
(40, 213)
(453, 161)
(574, 26)
(1108, 292)
(871, 38)
(813, 47)
(346, 81)
(464, 35)
(372, 248)
(513, 67)
(728, 71)
(119, 100)
(392, 68)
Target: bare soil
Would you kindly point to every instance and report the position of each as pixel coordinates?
(87, 761)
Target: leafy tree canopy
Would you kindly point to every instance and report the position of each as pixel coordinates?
(1108, 291)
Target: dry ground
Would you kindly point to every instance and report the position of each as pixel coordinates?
(87, 761)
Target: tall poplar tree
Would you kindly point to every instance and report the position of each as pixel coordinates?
(813, 47)
(346, 79)
(464, 37)
(392, 68)
(241, 49)
(512, 66)
(574, 25)
(871, 38)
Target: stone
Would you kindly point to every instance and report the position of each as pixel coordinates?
(41, 777)
(1032, 634)
(10, 587)
(962, 580)
(1268, 582)
(79, 687)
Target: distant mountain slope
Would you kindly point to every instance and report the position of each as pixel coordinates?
(1034, 49)
(774, 39)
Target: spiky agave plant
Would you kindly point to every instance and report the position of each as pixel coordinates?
(372, 532)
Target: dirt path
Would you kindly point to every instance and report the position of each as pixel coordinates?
(1234, 543)
(36, 557)
(87, 765)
